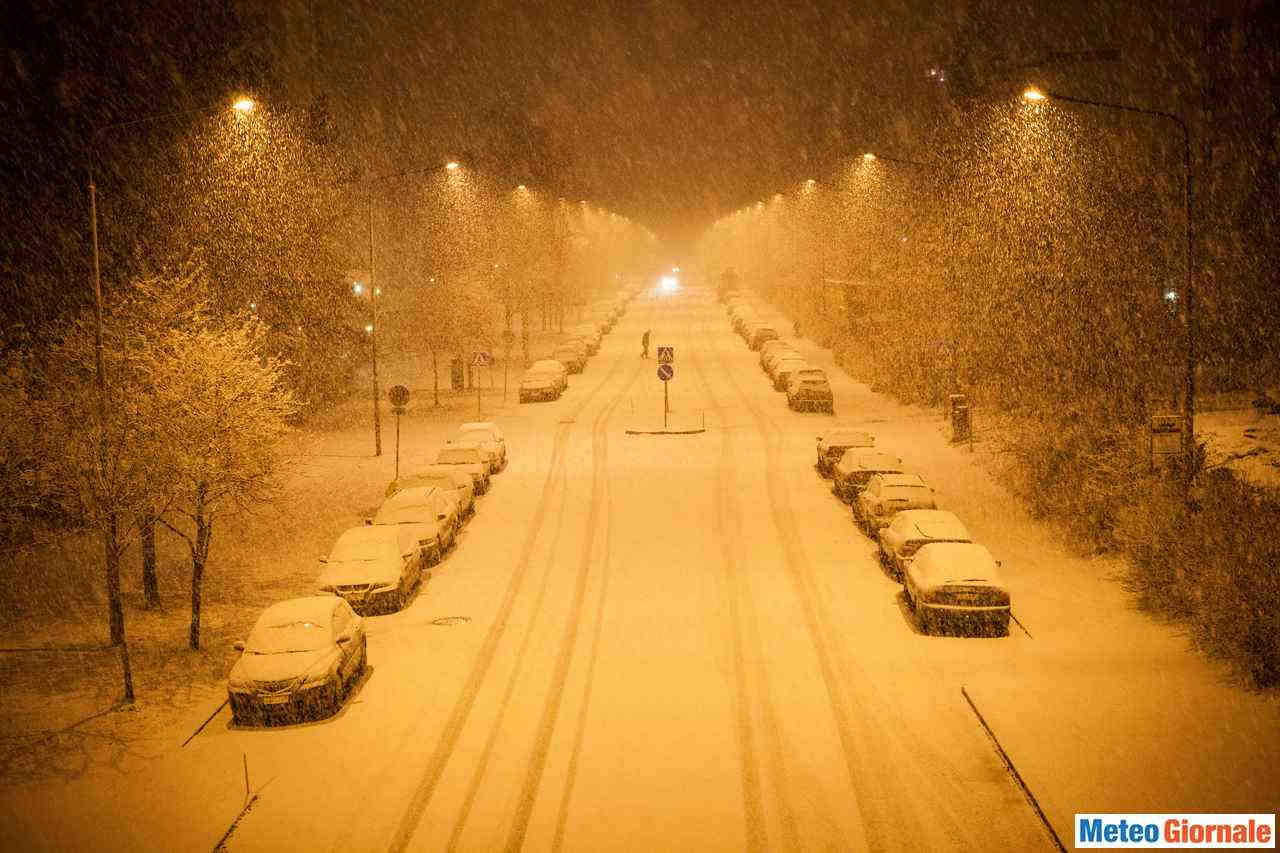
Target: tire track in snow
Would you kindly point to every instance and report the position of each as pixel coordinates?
(564, 656)
(743, 626)
(816, 620)
(461, 712)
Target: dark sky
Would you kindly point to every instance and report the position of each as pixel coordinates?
(670, 111)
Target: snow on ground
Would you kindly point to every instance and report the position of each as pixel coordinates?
(674, 642)
(1245, 440)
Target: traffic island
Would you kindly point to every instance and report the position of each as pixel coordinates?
(675, 425)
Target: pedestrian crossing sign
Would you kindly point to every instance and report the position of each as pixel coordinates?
(666, 355)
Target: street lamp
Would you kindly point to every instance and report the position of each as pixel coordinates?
(1188, 404)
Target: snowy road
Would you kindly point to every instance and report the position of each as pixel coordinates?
(684, 643)
(676, 643)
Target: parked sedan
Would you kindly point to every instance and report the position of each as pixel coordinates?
(572, 354)
(430, 510)
(539, 385)
(555, 368)
(471, 459)
(886, 494)
(375, 566)
(770, 360)
(833, 444)
(856, 467)
(784, 367)
(448, 479)
(810, 389)
(488, 436)
(912, 529)
(774, 345)
(761, 333)
(956, 583)
(302, 656)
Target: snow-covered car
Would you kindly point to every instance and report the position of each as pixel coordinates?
(447, 478)
(301, 658)
(539, 385)
(376, 566)
(741, 316)
(488, 436)
(588, 335)
(555, 368)
(572, 354)
(431, 510)
(887, 494)
(486, 450)
(769, 347)
(833, 443)
(761, 333)
(956, 583)
(856, 467)
(770, 360)
(912, 529)
(784, 367)
(472, 459)
(810, 389)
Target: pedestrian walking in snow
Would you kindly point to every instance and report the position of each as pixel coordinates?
(644, 344)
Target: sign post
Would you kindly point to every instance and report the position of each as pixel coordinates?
(399, 397)
(508, 337)
(481, 359)
(1165, 439)
(665, 372)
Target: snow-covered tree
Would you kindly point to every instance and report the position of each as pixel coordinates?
(224, 410)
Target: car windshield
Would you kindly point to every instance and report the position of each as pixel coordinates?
(287, 636)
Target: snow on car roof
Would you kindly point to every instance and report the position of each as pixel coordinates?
(470, 425)
(931, 524)
(411, 496)
(312, 608)
(460, 453)
(546, 364)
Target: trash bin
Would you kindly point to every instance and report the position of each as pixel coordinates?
(960, 423)
(457, 374)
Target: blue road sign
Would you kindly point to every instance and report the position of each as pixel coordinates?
(665, 372)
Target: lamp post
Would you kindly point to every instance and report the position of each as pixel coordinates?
(114, 603)
(1189, 395)
(374, 290)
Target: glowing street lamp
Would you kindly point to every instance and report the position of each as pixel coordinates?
(243, 105)
(452, 165)
(1188, 303)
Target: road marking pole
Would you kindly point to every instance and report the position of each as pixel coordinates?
(1013, 771)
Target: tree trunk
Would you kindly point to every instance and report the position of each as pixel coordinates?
(524, 333)
(115, 603)
(435, 377)
(150, 585)
(199, 555)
